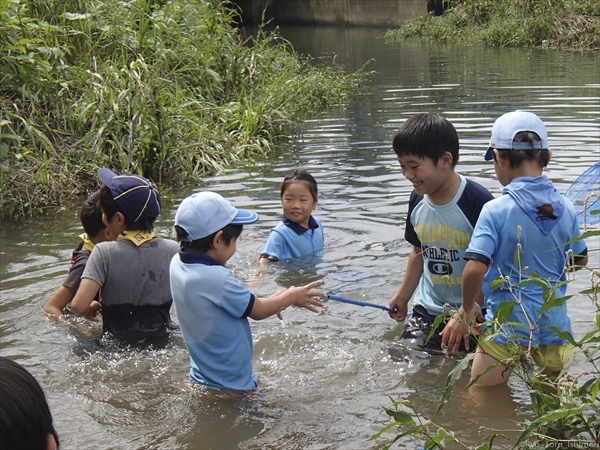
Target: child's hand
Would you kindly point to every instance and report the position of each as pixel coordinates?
(94, 311)
(304, 296)
(457, 329)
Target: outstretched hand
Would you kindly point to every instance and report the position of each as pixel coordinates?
(305, 296)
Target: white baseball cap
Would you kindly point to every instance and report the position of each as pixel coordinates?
(204, 213)
(508, 125)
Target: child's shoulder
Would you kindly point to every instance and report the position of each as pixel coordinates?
(475, 188)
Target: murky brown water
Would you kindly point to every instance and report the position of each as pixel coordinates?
(328, 374)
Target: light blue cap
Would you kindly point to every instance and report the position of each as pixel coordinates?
(204, 213)
(508, 125)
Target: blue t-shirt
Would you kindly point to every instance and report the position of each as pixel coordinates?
(443, 233)
(504, 224)
(212, 309)
(291, 240)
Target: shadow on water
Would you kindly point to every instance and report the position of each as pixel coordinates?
(324, 377)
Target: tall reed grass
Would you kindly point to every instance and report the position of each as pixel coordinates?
(167, 89)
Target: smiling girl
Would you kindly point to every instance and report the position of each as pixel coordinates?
(299, 232)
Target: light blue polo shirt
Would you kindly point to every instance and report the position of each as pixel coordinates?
(502, 225)
(212, 309)
(289, 240)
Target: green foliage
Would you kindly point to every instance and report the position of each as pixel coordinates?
(511, 23)
(166, 89)
(566, 406)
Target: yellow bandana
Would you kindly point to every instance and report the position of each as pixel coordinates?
(137, 237)
(87, 244)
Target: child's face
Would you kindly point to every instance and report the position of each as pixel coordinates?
(502, 169)
(223, 252)
(425, 176)
(298, 203)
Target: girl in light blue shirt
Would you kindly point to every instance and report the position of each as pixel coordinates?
(298, 233)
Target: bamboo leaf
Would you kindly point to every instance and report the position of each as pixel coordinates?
(451, 379)
(554, 303)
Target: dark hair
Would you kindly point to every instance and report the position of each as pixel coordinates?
(300, 175)
(516, 157)
(204, 244)
(91, 215)
(426, 136)
(25, 418)
(110, 208)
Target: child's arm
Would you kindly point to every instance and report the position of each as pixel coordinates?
(58, 301)
(457, 328)
(410, 282)
(83, 304)
(300, 296)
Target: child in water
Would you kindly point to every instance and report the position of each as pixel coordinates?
(95, 232)
(299, 232)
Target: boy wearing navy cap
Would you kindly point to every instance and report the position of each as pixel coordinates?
(131, 273)
(541, 224)
(212, 307)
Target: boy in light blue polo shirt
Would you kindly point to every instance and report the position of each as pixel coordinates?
(531, 216)
(212, 306)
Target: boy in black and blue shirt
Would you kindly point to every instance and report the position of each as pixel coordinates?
(443, 209)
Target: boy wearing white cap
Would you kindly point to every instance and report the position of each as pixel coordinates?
(212, 307)
(534, 218)
(131, 273)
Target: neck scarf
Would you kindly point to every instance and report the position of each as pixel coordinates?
(87, 244)
(137, 237)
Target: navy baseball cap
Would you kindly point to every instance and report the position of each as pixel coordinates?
(204, 213)
(135, 196)
(508, 125)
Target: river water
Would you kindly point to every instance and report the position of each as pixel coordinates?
(326, 376)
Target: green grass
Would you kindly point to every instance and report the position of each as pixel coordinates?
(169, 90)
(566, 24)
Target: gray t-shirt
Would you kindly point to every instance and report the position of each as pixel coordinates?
(134, 284)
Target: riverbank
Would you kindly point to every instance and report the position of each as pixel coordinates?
(563, 24)
(170, 90)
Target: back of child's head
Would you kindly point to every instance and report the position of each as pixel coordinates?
(426, 136)
(133, 196)
(25, 417)
(300, 176)
(91, 215)
(519, 136)
(202, 215)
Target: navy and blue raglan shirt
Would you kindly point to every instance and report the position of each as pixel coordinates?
(443, 233)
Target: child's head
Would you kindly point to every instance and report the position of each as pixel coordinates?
(519, 136)
(25, 418)
(132, 196)
(91, 219)
(299, 197)
(204, 215)
(300, 176)
(426, 136)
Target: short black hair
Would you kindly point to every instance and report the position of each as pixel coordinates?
(516, 157)
(91, 215)
(25, 418)
(426, 136)
(204, 244)
(300, 175)
(110, 208)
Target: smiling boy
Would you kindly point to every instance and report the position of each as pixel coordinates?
(442, 212)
